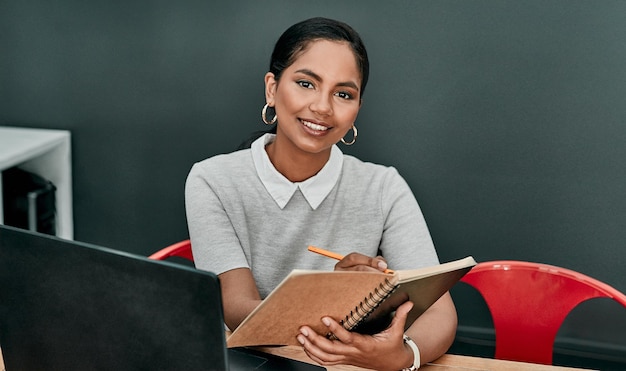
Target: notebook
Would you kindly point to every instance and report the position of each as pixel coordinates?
(363, 301)
(66, 305)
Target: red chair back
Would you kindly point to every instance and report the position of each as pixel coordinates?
(529, 302)
(180, 249)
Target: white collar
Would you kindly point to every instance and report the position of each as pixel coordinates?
(315, 189)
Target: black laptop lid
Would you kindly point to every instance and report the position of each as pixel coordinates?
(66, 305)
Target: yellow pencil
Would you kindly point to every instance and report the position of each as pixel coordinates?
(333, 255)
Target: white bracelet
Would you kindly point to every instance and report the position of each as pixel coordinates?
(416, 354)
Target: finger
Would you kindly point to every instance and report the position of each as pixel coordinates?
(379, 263)
(308, 348)
(323, 360)
(344, 336)
(317, 347)
(360, 262)
(354, 259)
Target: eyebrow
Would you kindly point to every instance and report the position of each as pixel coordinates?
(317, 77)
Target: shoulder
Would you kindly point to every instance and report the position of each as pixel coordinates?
(360, 170)
(222, 169)
(238, 161)
(372, 179)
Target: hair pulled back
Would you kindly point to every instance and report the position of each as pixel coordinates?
(297, 38)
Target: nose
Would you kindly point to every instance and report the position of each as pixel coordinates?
(322, 104)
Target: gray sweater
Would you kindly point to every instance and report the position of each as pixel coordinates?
(234, 222)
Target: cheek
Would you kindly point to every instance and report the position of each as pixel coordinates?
(349, 114)
(288, 100)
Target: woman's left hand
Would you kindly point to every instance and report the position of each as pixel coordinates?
(382, 351)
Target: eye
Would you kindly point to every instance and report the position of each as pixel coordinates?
(344, 95)
(305, 84)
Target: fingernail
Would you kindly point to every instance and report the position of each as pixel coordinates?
(300, 339)
(382, 265)
(304, 332)
(326, 321)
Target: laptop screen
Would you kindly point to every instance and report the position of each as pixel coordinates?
(67, 305)
(70, 305)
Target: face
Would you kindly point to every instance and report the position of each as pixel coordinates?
(317, 97)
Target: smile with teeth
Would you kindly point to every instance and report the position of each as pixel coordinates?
(313, 126)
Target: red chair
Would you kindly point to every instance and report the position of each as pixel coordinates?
(180, 249)
(529, 302)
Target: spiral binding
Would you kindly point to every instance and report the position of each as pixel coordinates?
(367, 306)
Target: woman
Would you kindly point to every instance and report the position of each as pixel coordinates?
(252, 213)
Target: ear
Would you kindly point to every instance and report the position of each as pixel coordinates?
(270, 88)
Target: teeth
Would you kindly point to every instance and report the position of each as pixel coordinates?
(314, 126)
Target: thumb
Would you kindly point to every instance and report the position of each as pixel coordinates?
(402, 313)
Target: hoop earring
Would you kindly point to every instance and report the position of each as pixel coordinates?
(264, 116)
(353, 138)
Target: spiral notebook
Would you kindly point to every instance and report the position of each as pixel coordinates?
(361, 301)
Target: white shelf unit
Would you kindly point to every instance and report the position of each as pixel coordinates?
(46, 153)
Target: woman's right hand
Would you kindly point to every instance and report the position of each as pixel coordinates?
(359, 262)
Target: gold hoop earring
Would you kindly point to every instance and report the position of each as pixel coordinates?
(264, 116)
(353, 138)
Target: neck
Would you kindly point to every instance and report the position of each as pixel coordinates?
(295, 165)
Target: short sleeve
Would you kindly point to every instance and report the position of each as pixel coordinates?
(406, 242)
(215, 245)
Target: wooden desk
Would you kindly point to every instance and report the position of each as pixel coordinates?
(448, 362)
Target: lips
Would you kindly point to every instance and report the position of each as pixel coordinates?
(314, 126)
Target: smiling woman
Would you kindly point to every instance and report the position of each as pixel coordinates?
(317, 102)
(252, 213)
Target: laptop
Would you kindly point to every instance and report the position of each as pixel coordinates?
(67, 305)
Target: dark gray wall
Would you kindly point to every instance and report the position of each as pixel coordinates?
(507, 118)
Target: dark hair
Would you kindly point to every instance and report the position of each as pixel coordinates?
(297, 38)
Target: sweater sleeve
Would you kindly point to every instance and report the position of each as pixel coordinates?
(215, 244)
(406, 242)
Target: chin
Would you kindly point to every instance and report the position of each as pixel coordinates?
(314, 148)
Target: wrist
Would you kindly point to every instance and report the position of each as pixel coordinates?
(416, 354)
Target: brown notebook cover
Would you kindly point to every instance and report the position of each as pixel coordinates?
(361, 301)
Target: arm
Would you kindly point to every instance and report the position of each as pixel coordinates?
(213, 235)
(434, 331)
(239, 295)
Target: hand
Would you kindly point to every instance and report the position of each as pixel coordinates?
(359, 262)
(383, 351)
